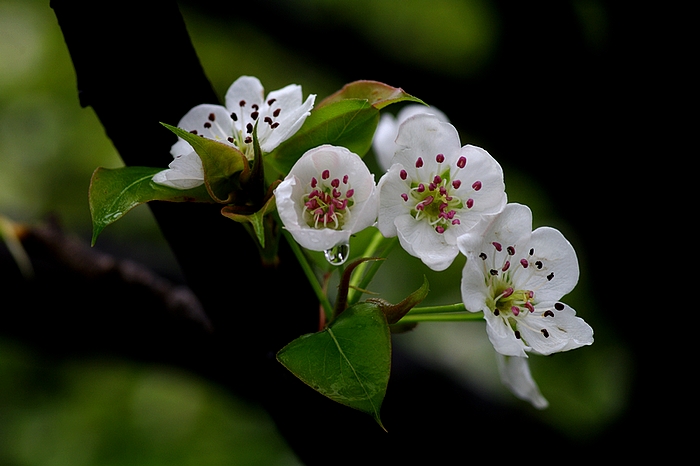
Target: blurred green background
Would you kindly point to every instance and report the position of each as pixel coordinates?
(112, 412)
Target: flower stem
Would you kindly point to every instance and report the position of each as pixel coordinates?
(360, 280)
(449, 317)
(442, 309)
(310, 275)
(444, 313)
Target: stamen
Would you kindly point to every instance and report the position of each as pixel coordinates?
(559, 306)
(462, 162)
(477, 185)
(440, 158)
(212, 117)
(548, 313)
(419, 162)
(545, 332)
(403, 174)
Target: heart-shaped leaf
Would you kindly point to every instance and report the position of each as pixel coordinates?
(349, 361)
(114, 192)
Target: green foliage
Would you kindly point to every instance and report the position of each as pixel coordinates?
(349, 361)
(114, 192)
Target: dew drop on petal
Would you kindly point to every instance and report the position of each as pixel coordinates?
(338, 254)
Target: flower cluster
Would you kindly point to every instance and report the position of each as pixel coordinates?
(438, 197)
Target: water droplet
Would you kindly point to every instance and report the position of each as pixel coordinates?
(337, 255)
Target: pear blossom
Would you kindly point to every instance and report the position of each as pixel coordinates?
(517, 277)
(384, 141)
(328, 195)
(277, 116)
(436, 190)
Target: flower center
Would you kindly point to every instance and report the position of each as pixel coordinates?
(508, 301)
(328, 203)
(244, 124)
(433, 196)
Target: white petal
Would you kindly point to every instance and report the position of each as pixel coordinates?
(515, 374)
(512, 227)
(421, 240)
(558, 258)
(502, 337)
(246, 89)
(563, 329)
(210, 121)
(475, 293)
(425, 136)
(391, 204)
(384, 141)
(290, 120)
(184, 172)
(483, 168)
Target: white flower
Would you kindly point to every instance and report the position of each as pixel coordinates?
(436, 190)
(328, 195)
(384, 141)
(515, 374)
(278, 117)
(517, 277)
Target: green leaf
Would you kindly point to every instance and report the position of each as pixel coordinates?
(348, 362)
(219, 161)
(377, 94)
(114, 192)
(348, 123)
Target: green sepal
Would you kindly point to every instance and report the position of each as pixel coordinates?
(113, 192)
(394, 312)
(376, 93)
(349, 361)
(220, 163)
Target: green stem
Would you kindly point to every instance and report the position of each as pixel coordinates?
(310, 275)
(442, 309)
(443, 313)
(360, 280)
(449, 317)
